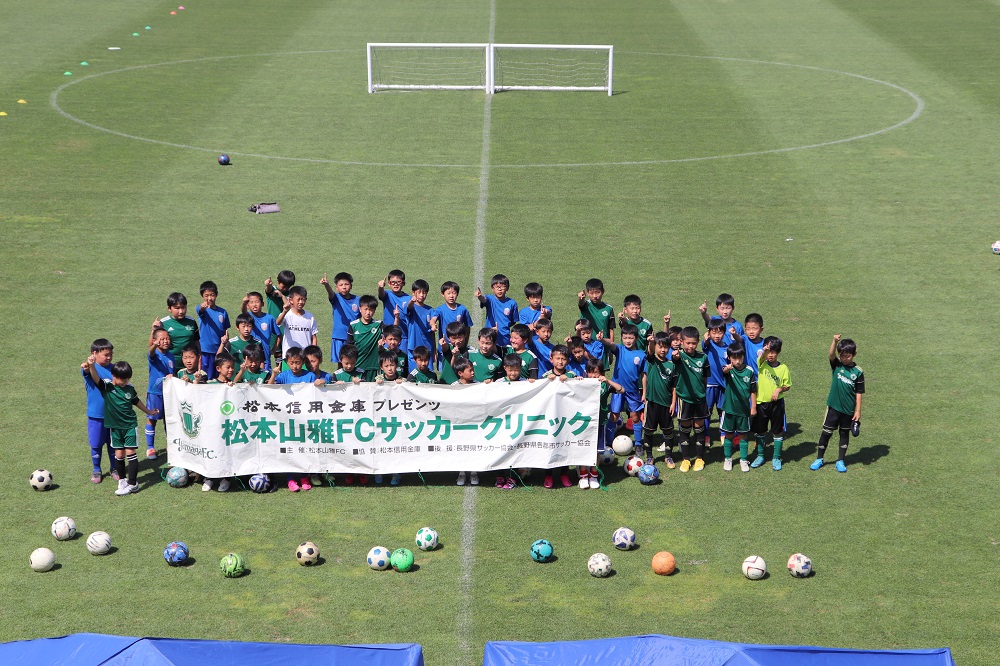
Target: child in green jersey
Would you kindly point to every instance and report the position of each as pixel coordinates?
(466, 375)
(843, 404)
(520, 336)
(389, 373)
(739, 406)
(632, 314)
(366, 334)
(119, 417)
(182, 329)
(191, 360)
(349, 373)
(593, 308)
(486, 362)
(773, 382)
(252, 368)
(422, 373)
(454, 347)
(277, 296)
(692, 376)
(659, 392)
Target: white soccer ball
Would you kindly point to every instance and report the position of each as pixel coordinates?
(42, 559)
(754, 567)
(378, 558)
(427, 538)
(599, 565)
(996, 247)
(607, 456)
(633, 465)
(623, 538)
(41, 479)
(63, 528)
(622, 445)
(799, 565)
(99, 543)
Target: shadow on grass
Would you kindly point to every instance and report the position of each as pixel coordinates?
(868, 455)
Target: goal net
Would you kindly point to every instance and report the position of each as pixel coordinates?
(489, 67)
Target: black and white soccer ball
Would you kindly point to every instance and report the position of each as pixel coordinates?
(307, 553)
(41, 479)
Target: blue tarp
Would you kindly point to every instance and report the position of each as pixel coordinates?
(104, 650)
(663, 650)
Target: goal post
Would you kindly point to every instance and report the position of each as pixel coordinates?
(489, 67)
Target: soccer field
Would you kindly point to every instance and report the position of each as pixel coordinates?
(831, 163)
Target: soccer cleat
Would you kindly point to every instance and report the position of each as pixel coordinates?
(223, 485)
(394, 480)
(685, 465)
(114, 475)
(378, 479)
(205, 487)
(758, 461)
(670, 463)
(349, 480)
(293, 486)
(150, 454)
(744, 466)
(134, 488)
(474, 479)
(776, 464)
(123, 488)
(585, 481)
(649, 460)
(727, 465)
(816, 464)
(548, 481)
(841, 466)
(595, 482)
(363, 479)
(96, 477)
(460, 481)
(304, 483)
(564, 479)
(699, 465)
(510, 484)
(316, 480)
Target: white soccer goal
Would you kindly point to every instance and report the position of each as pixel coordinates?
(489, 67)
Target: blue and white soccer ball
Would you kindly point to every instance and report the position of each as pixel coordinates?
(176, 553)
(623, 538)
(378, 558)
(607, 456)
(427, 538)
(177, 477)
(648, 474)
(542, 551)
(996, 247)
(799, 565)
(260, 483)
(224, 160)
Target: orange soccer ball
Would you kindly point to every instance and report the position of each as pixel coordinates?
(664, 563)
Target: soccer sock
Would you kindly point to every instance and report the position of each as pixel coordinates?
(761, 442)
(119, 464)
(699, 444)
(685, 442)
(777, 447)
(133, 468)
(150, 434)
(824, 439)
(653, 440)
(610, 428)
(95, 457)
(845, 438)
(637, 431)
(727, 446)
(708, 423)
(744, 446)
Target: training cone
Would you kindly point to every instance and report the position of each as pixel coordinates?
(22, 101)
(84, 64)
(149, 27)
(181, 7)
(67, 73)
(3, 113)
(173, 13)
(135, 34)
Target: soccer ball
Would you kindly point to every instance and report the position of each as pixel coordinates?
(648, 474)
(633, 465)
(799, 565)
(307, 553)
(427, 538)
(41, 479)
(996, 247)
(42, 559)
(599, 565)
(622, 445)
(378, 558)
(99, 543)
(623, 538)
(754, 567)
(542, 551)
(401, 559)
(177, 477)
(63, 528)
(176, 553)
(260, 483)
(231, 565)
(664, 563)
(224, 160)
(607, 456)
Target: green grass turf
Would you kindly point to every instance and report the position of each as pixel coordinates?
(890, 247)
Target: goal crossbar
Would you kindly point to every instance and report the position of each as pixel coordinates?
(490, 67)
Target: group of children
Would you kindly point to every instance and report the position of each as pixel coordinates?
(657, 376)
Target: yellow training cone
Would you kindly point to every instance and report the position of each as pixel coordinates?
(3, 113)
(22, 101)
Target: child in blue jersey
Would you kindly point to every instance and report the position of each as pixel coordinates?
(394, 303)
(346, 308)
(314, 360)
(161, 364)
(102, 351)
(264, 325)
(534, 310)
(541, 345)
(449, 311)
(753, 339)
(213, 324)
(724, 305)
(594, 347)
(577, 356)
(419, 316)
(715, 347)
(630, 363)
(501, 309)
(296, 374)
(466, 375)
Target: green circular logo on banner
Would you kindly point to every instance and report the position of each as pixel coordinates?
(227, 408)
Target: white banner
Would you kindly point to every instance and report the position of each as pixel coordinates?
(219, 430)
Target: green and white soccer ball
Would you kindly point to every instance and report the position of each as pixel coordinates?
(427, 538)
(401, 559)
(42, 559)
(307, 553)
(177, 477)
(40, 479)
(63, 528)
(232, 565)
(599, 565)
(99, 543)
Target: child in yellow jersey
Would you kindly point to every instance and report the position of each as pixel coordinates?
(773, 381)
